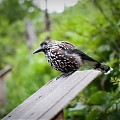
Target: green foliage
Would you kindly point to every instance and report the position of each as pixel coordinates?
(99, 98)
(92, 25)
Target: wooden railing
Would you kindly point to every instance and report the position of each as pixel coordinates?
(49, 101)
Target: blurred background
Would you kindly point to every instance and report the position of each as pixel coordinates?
(93, 26)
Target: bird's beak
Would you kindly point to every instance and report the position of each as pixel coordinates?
(38, 50)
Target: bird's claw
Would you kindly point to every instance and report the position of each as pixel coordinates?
(64, 75)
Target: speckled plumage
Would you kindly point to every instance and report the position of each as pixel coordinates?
(60, 59)
(64, 57)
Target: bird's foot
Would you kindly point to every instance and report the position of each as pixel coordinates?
(64, 75)
(67, 74)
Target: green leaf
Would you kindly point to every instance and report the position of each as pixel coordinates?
(94, 115)
(99, 98)
(115, 106)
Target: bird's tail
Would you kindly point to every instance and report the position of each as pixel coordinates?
(103, 68)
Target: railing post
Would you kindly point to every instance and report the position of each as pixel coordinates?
(59, 116)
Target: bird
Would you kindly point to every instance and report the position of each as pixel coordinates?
(66, 58)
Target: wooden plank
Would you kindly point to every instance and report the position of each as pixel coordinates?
(33, 99)
(5, 70)
(53, 97)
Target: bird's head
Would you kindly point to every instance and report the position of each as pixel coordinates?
(45, 46)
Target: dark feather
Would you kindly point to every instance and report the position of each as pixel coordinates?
(82, 55)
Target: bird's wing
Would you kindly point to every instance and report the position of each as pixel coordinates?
(81, 54)
(66, 45)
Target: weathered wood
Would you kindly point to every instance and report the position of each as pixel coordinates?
(3, 90)
(5, 70)
(53, 97)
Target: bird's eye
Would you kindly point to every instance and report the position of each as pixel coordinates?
(45, 43)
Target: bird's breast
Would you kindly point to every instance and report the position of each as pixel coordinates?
(63, 62)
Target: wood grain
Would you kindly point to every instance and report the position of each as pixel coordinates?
(48, 101)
